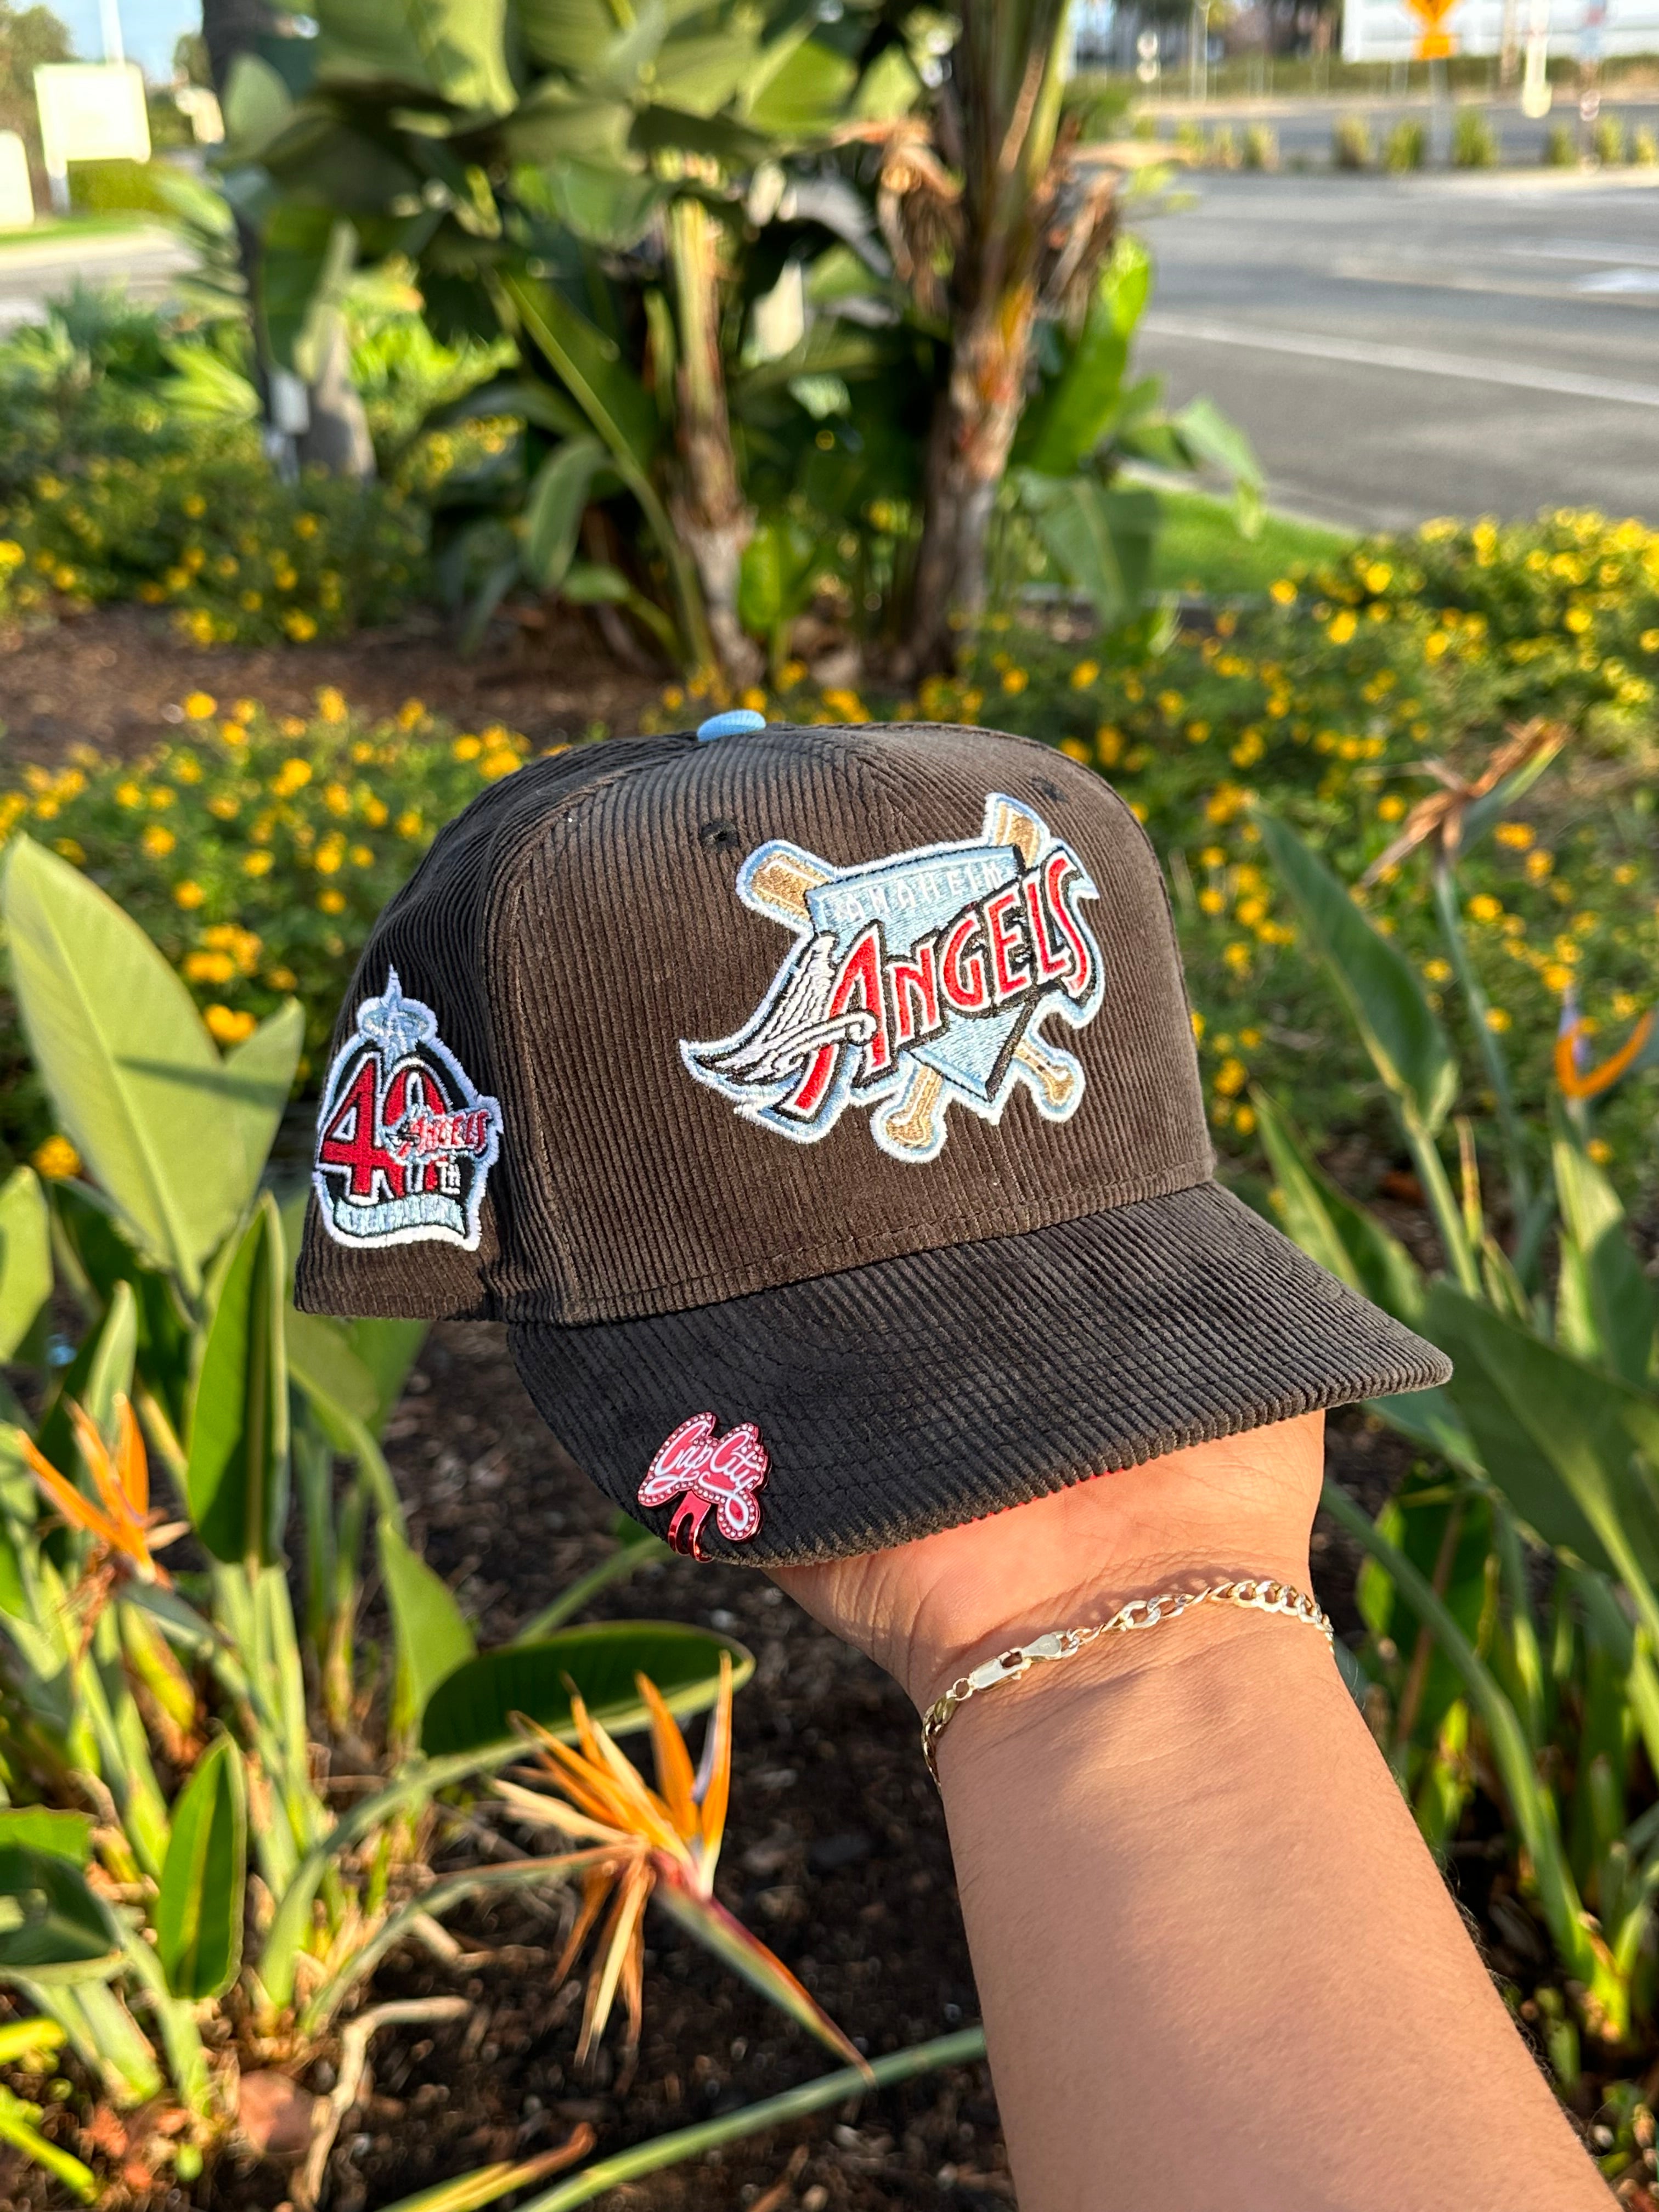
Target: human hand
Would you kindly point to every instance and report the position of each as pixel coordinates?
(928, 1610)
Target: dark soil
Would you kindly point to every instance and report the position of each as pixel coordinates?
(108, 678)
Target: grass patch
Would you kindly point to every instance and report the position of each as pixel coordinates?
(1200, 548)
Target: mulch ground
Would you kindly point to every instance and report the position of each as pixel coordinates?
(108, 678)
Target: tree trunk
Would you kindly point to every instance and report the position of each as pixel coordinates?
(973, 429)
(708, 505)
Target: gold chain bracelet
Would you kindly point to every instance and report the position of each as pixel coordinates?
(1139, 1612)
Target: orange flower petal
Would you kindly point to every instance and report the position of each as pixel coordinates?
(676, 1776)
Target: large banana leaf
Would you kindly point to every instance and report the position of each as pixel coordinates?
(1100, 539)
(1067, 422)
(1407, 1046)
(25, 1257)
(236, 1485)
(136, 1082)
(452, 49)
(473, 1708)
(1571, 1447)
(1343, 1238)
(553, 512)
(198, 1911)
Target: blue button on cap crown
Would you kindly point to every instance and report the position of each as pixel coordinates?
(731, 725)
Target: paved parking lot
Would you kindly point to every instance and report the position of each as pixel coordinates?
(1400, 347)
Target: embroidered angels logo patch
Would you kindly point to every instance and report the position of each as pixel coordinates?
(405, 1143)
(707, 1473)
(915, 981)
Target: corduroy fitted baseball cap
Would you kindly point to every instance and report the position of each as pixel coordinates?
(820, 1110)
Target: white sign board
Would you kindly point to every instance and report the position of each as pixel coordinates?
(16, 197)
(90, 111)
(1387, 30)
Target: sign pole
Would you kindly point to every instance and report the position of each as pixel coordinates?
(109, 18)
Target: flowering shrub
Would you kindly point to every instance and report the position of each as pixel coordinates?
(237, 555)
(257, 850)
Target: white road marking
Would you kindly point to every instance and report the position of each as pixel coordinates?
(1416, 360)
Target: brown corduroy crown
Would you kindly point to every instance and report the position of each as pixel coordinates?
(819, 1107)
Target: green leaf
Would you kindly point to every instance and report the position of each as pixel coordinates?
(554, 509)
(699, 75)
(453, 51)
(1101, 541)
(604, 205)
(1560, 1440)
(24, 1257)
(775, 579)
(102, 1366)
(472, 1709)
(431, 1631)
(65, 1836)
(52, 1926)
(199, 1913)
(1617, 1294)
(552, 124)
(387, 1349)
(321, 1361)
(236, 1485)
(1350, 1243)
(570, 35)
(257, 106)
(259, 1079)
(106, 1257)
(1407, 1046)
(595, 583)
(1073, 415)
(591, 367)
(804, 94)
(124, 1058)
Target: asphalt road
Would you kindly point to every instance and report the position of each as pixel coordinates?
(1400, 347)
(143, 261)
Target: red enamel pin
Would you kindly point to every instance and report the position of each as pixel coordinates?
(707, 1473)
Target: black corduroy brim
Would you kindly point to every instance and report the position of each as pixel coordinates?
(905, 1397)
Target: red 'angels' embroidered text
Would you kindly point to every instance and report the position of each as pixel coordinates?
(708, 1473)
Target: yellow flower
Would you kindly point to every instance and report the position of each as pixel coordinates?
(332, 901)
(1436, 645)
(293, 775)
(337, 799)
(1074, 749)
(1498, 1019)
(305, 525)
(1282, 592)
(1341, 626)
(409, 823)
(1517, 835)
(1198, 731)
(1214, 857)
(256, 864)
(228, 1027)
(1436, 971)
(1244, 1119)
(1483, 906)
(1085, 674)
(360, 856)
(1109, 746)
(1556, 976)
(1197, 1026)
(1539, 863)
(467, 748)
(72, 850)
(1600, 1151)
(1014, 679)
(498, 764)
(1170, 704)
(209, 968)
(1231, 1077)
(1391, 808)
(11, 555)
(1377, 577)
(1237, 957)
(1251, 911)
(1212, 902)
(281, 979)
(188, 895)
(331, 704)
(195, 505)
(245, 710)
(1579, 620)
(129, 795)
(56, 1160)
(160, 798)
(300, 626)
(754, 698)
(158, 842)
(200, 706)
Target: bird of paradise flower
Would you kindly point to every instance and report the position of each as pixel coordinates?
(643, 1843)
(126, 1532)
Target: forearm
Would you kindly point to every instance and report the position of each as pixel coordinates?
(1214, 1957)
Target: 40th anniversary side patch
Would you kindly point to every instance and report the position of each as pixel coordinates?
(914, 980)
(404, 1142)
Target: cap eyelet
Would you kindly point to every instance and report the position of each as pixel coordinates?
(719, 836)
